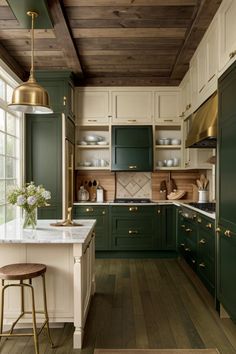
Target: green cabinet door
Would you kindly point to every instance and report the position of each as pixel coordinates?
(132, 148)
(44, 159)
(132, 228)
(101, 214)
(59, 85)
(226, 198)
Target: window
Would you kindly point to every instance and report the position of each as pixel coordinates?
(11, 133)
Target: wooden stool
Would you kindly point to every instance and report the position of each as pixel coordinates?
(21, 272)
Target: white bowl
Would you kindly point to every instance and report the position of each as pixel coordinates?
(93, 138)
(175, 141)
(166, 141)
(87, 163)
(103, 142)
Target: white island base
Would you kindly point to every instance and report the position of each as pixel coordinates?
(70, 279)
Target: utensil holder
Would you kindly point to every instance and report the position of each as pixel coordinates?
(203, 196)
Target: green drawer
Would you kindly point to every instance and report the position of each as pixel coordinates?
(132, 225)
(132, 210)
(132, 242)
(206, 271)
(89, 210)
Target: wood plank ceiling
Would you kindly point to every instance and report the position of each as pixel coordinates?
(111, 42)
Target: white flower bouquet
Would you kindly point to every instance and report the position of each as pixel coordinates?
(29, 197)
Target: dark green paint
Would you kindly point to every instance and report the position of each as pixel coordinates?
(132, 146)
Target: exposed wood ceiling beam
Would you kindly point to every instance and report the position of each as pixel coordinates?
(195, 32)
(64, 37)
(130, 2)
(129, 81)
(12, 63)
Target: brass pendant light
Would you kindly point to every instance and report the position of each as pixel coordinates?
(30, 97)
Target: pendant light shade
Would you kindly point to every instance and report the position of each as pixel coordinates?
(30, 97)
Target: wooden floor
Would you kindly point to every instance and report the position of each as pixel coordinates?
(143, 304)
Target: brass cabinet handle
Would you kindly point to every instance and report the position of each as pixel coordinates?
(103, 212)
(232, 54)
(133, 232)
(132, 120)
(182, 245)
(218, 229)
(202, 265)
(92, 120)
(194, 216)
(193, 261)
(187, 249)
(133, 208)
(209, 226)
(132, 167)
(183, 226)
(228, 233)
(64, 101)
(202, 241)
(199, 220)
(158, 211)
(168, 120)
(188, 230)
(89, 210)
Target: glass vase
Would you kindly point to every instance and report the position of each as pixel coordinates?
(30, 219)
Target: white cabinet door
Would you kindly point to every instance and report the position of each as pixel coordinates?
(185, 99)
(130, 107)
(166, 107)
(227, 34)
(92, 107)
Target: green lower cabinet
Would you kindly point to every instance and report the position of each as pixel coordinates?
(132, 228)
(101, 214)
(190, 243)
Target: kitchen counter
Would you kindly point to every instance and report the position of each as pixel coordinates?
(69, 254)
(12, 232)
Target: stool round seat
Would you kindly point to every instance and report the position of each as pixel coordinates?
(21, 271)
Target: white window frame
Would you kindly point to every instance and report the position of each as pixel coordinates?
(12, 80)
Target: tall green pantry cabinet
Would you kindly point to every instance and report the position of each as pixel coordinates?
(45, 139)
(226, 231)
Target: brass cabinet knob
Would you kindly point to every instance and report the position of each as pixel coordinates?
(193, 261)
(132, 167)
(188, 230)
(133, 232)
(182, 245)
(209, 226)
(183, 226)
(202, 265)
(202, 241)
(218, 229)
(227, 233)
(158, 211)
(89, 210)
(133, 208)
(103, 212)
(199, 220)
(187, 249)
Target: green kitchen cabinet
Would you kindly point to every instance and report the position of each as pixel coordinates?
(206, 252)
(59, 85)
(226, 197)
(101, 214)
(165, 231)
(132, 227)
(132, 148)
(44, 159)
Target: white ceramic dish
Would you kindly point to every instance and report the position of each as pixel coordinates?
(103, 142)
(87, 163)
(82, 142)
(93, 138)
(175, 141)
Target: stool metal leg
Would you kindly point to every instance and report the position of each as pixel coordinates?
(2, 308)
(36, 343)
(46, 310)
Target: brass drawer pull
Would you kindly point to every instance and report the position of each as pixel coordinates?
(133, 232)
(103, 212)
(232, 54)
(182, 245)
(133, 208)
(132, 167)
(188, 230)
(228, 233)
(202, 265)
(132, 120)
(168, 120)
(89, 210)
(209, 226)
(202, 241)
(193, 261)
(187, 249)
(92, 120)
(199, 220)
(158, 211)
(183, 226)
(218, 229)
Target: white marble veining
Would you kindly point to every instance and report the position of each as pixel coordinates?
(12, 232)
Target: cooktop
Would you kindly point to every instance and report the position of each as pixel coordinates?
(132, 200)
(208, 207)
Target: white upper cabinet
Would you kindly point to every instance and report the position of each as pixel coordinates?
(132, 106)
(92, 106)
(166, 107)
(185, 99)
(227, 34)
(194, 83)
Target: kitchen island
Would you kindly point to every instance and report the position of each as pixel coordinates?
(68, 253)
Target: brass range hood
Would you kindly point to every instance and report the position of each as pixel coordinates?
(203, 130)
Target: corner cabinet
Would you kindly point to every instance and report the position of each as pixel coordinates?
(132, 148)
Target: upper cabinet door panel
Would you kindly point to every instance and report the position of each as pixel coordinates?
(227, 34)
(132, 106)
(166, 107)
(93, 107)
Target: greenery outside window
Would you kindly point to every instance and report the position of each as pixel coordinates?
(11, 152)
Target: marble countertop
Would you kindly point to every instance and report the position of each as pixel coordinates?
(12, 232)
